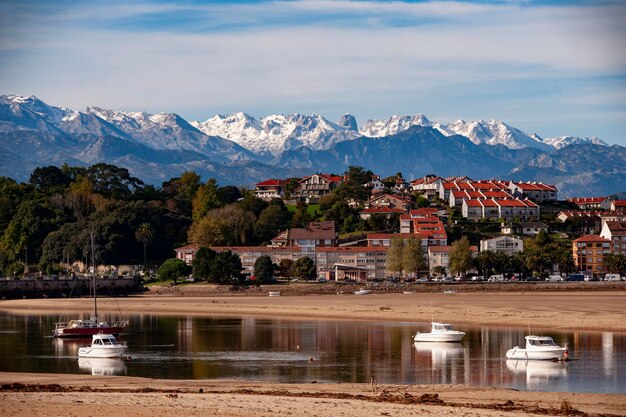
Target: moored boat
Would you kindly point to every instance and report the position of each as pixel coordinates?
(102, 346)
(439, 332)
(92, 326)
(362, 292)
(538, 348)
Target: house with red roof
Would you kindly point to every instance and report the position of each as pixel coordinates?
(270, 189)
(317, 185)
(536, 191)
(591, 203)
(506, 209)
(618, 205)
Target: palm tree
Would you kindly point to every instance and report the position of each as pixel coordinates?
(144, 234)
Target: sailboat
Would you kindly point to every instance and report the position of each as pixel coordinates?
(89, 327)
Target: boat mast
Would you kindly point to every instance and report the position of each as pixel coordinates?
(93, 262)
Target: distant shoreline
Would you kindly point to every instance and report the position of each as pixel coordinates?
(562, 310)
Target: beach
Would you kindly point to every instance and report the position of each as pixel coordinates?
(27, 394)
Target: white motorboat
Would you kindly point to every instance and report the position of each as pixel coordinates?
(538, 348)
(362, 292)
(103, 346)
(439, 332)
(274, 293)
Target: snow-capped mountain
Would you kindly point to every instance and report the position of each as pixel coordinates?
(564, 141)
(395, 124)
(276, 133)
(492, 132)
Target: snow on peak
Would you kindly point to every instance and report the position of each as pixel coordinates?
(393, 125)
(276, 133)
(563, 141)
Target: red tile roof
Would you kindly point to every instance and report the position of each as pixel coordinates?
(591, 238)
(271, 182)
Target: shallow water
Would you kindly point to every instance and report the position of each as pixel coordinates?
(324, 351)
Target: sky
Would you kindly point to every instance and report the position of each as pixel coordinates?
(549, 67)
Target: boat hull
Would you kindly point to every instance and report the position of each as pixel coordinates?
(543, 354)
(77, 332)
(446, 337)
(102, 352)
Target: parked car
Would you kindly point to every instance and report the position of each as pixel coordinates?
(496, 278)
(612, 277)
(555, 278)
(477, 278)
(575, 277)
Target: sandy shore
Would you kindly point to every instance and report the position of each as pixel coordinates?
(599, 311)
(84, 395)
(602, 311)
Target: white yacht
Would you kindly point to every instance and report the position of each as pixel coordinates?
(103, 346)
(538, 348)
(439, 332)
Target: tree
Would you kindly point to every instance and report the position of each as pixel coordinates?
(291, 186)
(173, 269)
(203, 262)
(49, 179)
(226, 267)
(439, 270)
(615, 263)
(144, 234)
(305, 268)
(205, 199)
(181, 191)
(228, 194)
(484, 262)
(264, 269)
(285, 267)
(355, 187)
(413, 257)
(112, 181)
(394, 255)
(273, 219)
(460, 256)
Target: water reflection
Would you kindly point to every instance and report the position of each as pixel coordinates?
(325, 351)
(102, 366)
(539, 374)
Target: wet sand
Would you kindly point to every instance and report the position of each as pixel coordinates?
(86, 395)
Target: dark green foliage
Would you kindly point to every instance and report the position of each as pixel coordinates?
(228, 194)
(272, 220)
(50, 180)
(264, 270)
(173, 269)
(304, 268)
(355, 186)
(112, 181)
(226, 268)
(202, 262)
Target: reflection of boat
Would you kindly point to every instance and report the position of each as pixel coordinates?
(85, 328)
(103, 346)
(439, 332)
(538, 373)
(274, 293)
(441, 353)
(102, 366)
(362, 292)
(538, 348)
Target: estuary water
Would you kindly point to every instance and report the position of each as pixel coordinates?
(283, 350)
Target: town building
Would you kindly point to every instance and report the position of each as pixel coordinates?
(588, 252)
(591, 203)
(187, 253)
(439, 256)
(505, 244)
(495, 209)
(270, 189)
(317, 185)
(615, 233)
(535, 191)
(523, 228)
(351, 263)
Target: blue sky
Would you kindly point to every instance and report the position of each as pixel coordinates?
(551, 67)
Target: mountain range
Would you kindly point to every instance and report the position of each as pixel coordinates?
(241, 150)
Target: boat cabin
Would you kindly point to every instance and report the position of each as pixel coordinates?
(441, 327)
(536, 341)
(103, 340)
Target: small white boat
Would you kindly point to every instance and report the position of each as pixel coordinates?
(103, 346)
(274, 293)
(439, 332)
(538, 348)
(362, 292)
